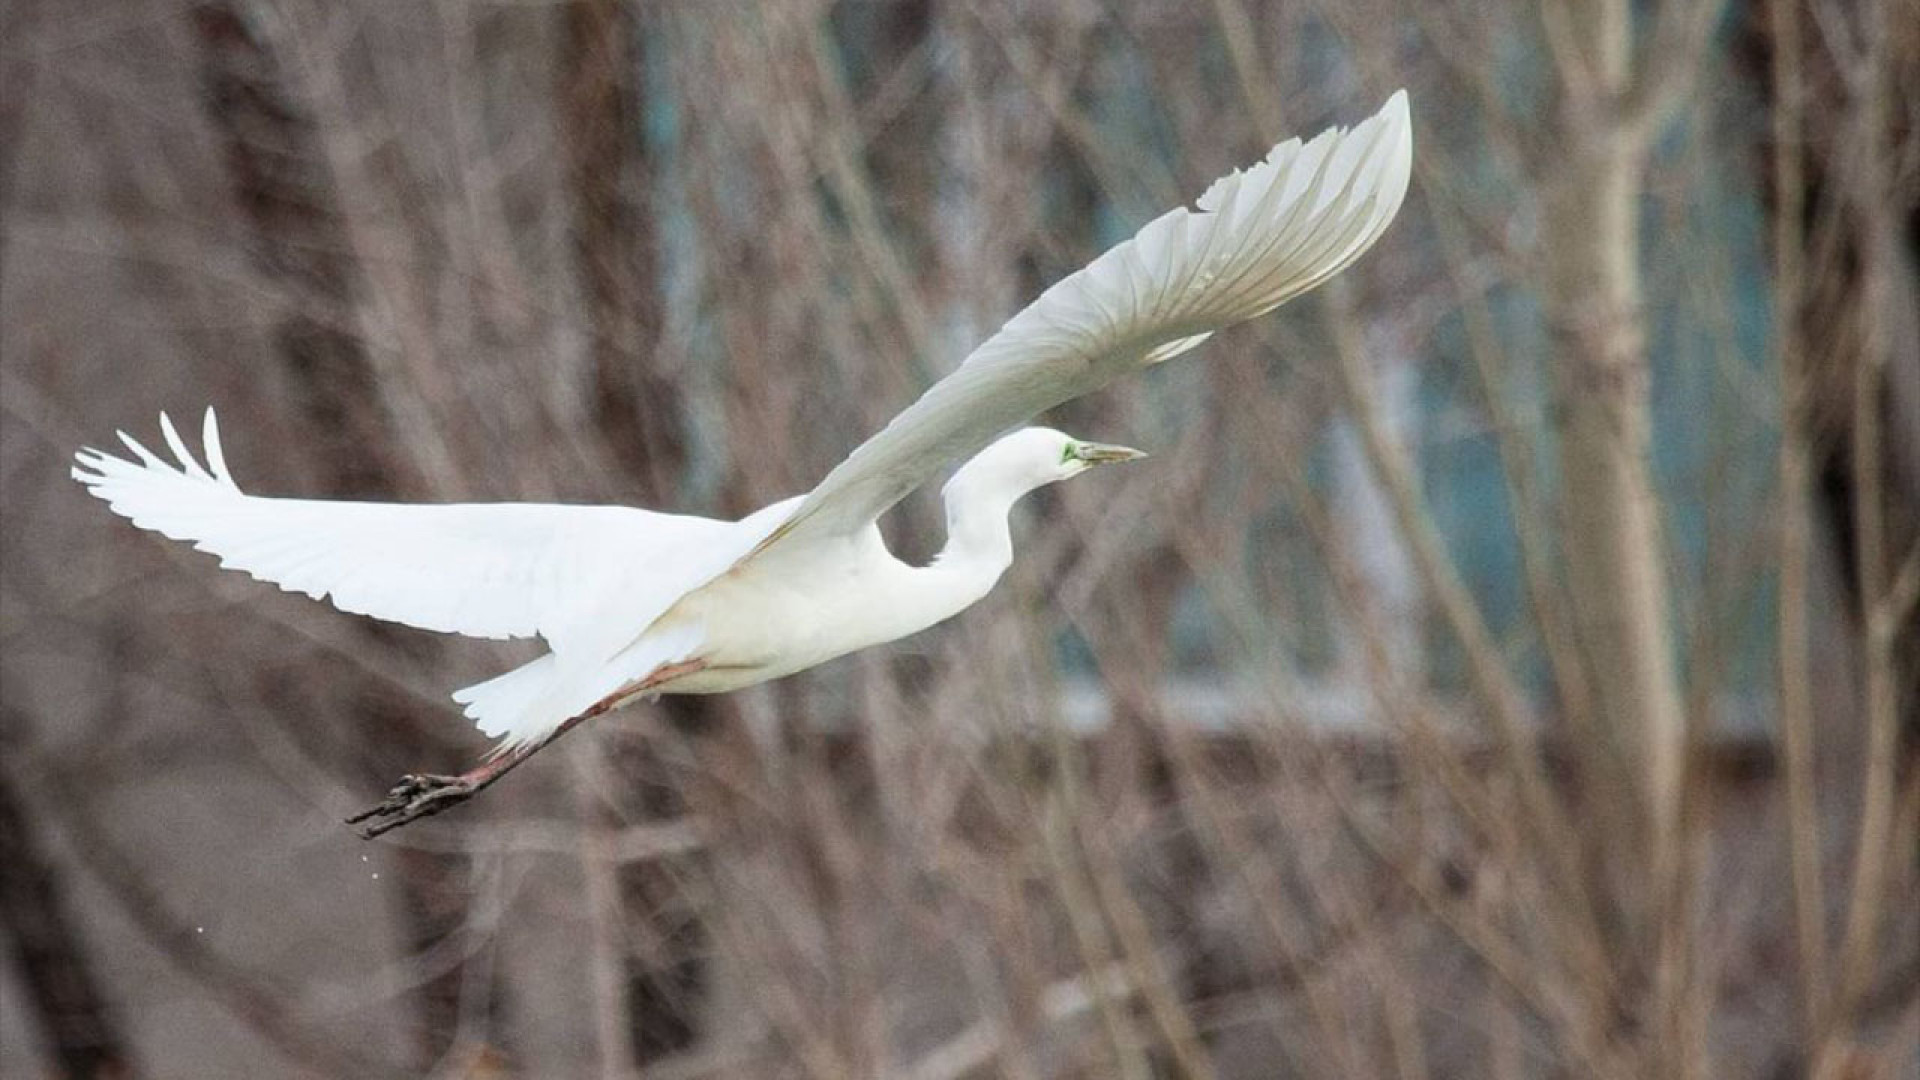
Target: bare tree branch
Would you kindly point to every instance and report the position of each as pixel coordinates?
(78, 1024)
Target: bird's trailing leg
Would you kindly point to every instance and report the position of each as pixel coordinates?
(420, 795)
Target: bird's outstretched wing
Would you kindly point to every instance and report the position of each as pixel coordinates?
(493, 570)
(1256, 239)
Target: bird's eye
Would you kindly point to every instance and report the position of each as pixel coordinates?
(1069, 454)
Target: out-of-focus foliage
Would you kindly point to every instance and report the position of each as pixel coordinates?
(1482, 679)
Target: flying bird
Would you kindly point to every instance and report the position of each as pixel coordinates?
(634, 603)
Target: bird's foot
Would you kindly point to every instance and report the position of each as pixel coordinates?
(414, 797)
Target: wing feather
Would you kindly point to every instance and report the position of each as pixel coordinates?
(493, 570)
(1256, 238)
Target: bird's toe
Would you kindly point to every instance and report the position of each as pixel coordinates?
(415, 796)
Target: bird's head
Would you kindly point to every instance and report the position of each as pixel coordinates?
(1034, 457)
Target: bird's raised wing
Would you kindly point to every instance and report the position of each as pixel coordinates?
(1256, 239)
(493, 570)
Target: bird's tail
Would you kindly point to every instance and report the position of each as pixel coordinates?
(503, 707)
(525, 705)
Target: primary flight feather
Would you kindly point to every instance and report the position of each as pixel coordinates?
(633, 602)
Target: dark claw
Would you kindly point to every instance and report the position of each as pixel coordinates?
(414, 797)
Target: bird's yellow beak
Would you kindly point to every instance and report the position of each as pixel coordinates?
(1094, 453)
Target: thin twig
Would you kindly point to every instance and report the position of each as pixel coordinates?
(1795, 674)
(1871, 852)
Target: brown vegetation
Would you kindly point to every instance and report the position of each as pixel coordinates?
(1505, 667)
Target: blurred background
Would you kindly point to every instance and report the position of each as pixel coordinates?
(1504, 667)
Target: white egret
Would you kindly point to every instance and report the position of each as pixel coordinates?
(633, 603)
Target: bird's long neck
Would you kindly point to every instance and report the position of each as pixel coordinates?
(978, 537)
(979, 549)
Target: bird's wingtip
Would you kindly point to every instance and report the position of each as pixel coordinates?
(93, 466)
(210, 444)
(1396, 113)
(1396, 116)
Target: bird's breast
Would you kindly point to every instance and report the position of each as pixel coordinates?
(765, 621)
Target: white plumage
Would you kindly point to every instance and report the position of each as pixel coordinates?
(1259, 238)
(632, 601)
(586, 579)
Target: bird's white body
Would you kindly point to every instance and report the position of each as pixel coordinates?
(837, 599)
(776, 615)
(795, 609)
(633, 602)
